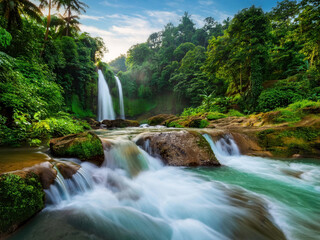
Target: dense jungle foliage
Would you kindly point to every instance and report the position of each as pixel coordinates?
(47, 72)
(255, 62)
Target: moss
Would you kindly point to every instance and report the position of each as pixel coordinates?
(234, 113)
(20, 199)
(86, 146)
(306, 133)
(203, 123)
(175, 124)
(160, 119)
(285, 143)
(215, 115)
(85, 149)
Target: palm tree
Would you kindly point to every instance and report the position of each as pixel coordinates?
(68, 25)
(76, 6)
(49, 4)
(13, 9)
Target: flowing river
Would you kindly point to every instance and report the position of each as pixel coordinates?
(134, 196)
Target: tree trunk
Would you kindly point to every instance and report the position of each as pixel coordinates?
(47, 30)
(68, 21)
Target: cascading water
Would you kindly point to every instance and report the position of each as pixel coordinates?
(133, 196)
(122, 115)
(105, 106)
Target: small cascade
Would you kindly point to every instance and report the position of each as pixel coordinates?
(64, 189)
(128, 156)
(122, 115)
(105, 105)
(225, 146)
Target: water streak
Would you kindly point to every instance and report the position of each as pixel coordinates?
(105, 105)
(122, 115)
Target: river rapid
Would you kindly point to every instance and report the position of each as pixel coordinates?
(134, 196)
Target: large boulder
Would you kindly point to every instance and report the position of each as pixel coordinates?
(178, 148)
(119, 123)
(86, 146)
(21, 197)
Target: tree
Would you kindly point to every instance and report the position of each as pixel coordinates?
(5, 38)
(137, 54)
(68, 25)
(48, 4)
(13, 9)
(71, 20)
(185, 29)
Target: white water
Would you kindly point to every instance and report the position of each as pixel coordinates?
(226, 150)
(105, 105)
(122, 115)
(134, 196)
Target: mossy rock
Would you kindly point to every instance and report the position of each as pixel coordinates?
(120, 123)
(160, 119)
(20, 199)
(302, 141)
(86, 146)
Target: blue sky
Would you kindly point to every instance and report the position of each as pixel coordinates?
(123, 23)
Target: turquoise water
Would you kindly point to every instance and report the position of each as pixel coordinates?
(246, 198)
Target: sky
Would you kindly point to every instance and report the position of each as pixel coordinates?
(123, 23)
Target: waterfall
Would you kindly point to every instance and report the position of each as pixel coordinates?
(225, 146)
(122, 116)
(105, 106)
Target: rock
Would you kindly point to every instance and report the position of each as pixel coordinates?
(160, 119)
(45, 171)
(249, 146)
(120, 123)
(21, 197)
(86, 146)
(93, 123)
(67, 169)
(178, 148)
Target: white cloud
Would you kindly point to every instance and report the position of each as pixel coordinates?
(198, 20)
(123, 31)
(110, 4)
(127, 30)
(96, 18)
(205, 3)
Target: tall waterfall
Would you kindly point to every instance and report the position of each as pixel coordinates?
(122, 116)
(105, 106)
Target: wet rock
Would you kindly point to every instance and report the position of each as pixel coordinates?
(178, 148)
(86, 146)
(120, 123)
(93, 123)
(160, 119)
(67, 169)
(45, 171)
(249, 146)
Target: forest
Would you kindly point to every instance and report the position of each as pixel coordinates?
(255, 62)
(202, 131)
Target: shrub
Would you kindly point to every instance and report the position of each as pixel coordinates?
(277, 97)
